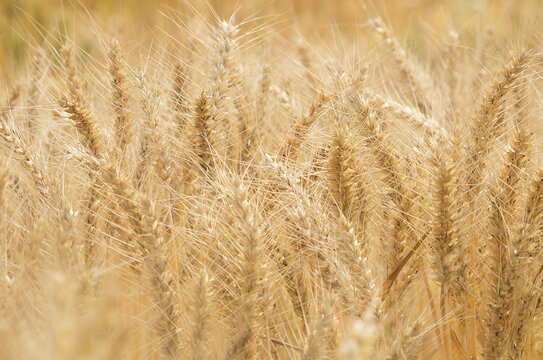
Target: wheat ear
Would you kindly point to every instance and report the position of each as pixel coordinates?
(144, 222)
(179, 97)
(316, 345)
(448, 259)
(226, 45)
(123, 125)
(28, 158)
(34, 91)
(253, 273)
(488, 117)
(505, 213)
(202, 141)
(523, 250)
(200, 317)
(341, 173)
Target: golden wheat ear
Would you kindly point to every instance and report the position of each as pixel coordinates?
(120, 96)
(449, 263)
(320, 337)
(521, 300)
(28, 158)
(34, 92)
(505, 212)
(353, 254)
(202, 141)
(221, 79)
(153, 148)
(200, 309)
(341, 173)
(387, 162)
(180, 97)
(85, 125)
(143, 220)
(490, 115)
(252, 274)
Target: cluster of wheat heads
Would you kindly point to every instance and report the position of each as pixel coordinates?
(248, 197)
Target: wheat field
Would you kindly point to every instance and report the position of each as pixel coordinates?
(271, 180)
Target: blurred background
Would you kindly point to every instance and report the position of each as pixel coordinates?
(27, 23)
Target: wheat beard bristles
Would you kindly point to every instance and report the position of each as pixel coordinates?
(288, 182)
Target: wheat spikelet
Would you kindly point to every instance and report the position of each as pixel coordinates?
(307, 233)
(305, 230)
(37, 75)
(123, 125)
(12, 99)
(86, 126)
(450, 254)
(352, 254)
(246, 124)
(200, 313)
(75, 85)
(262, 99)
(152, 146)
(341, 174)
(413, 116)
(179, 97)
(202, 140)
(225, 46)
(253, 274)
(520, 309)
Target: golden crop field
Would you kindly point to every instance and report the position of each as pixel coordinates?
(271, 179)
